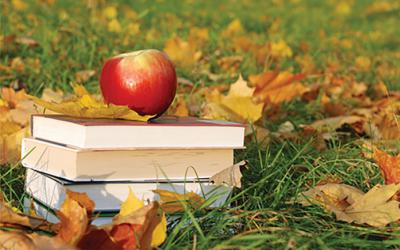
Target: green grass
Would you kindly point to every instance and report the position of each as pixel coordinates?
(262, 213)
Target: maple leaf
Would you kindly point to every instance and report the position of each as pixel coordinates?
(172, 202)
(230, 176)
(376, 208)
(237, 105)
(277, 87)
(138, 225)
(280, 49)
(132, 204)
(8, 217)
(389, 165)
(20, 240)
(233, 28)
(88, 107)
(10, 141)
(181, 52)
(74, 220)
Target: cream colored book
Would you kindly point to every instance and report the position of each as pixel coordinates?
(163, 132)
(136, 164)
(108, 196)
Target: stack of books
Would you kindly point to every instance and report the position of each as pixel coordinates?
(106, 158)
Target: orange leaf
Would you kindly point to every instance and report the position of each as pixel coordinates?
(74, 219)
(389, 165)
(275, 88)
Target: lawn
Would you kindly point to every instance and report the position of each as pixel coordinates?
(212, 43)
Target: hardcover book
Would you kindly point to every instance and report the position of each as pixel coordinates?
(136, 164)
(108, 196)
(164, 132)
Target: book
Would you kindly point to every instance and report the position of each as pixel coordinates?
(164, 132)
(49, 214)
(136, 164)
(108, 196)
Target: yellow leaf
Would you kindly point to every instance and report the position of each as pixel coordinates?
(110, 12)
(172, 202)
(10, 142)
(182, 52)
(234, 27)
(280, 49)
(114, 26)
(160, 232)
(131, 204)
(363, 63)
(19, 4)
(238, 105)
(88, 107)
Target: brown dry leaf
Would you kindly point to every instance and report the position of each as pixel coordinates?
(74, 220)
(84, 75)
(388, 125)
(89, 107)
(331, 124)
(172, 202)
(277, 87)
(389, 165)
(25, 241)
(17, 220)
(375, 208)
(238, 105)
(83, 200)
(230, 176)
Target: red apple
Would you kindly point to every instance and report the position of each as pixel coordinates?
(143, 80)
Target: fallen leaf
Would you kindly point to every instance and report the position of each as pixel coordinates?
(172, 202)
(389, 166)
(83, 200)
(26, 241)
(88, 107)
(237, 105)
(179, 107)
(8, 217)
(234, 27)
(138, 225)
(132, 204)
(11, 97)
(10, 143)
(277, 87)
(84, 75)
(50, 95)
(375, 208)
(333, 123)
(181, 52)
(280, 49)
(362, 63)
(74, 220)
(230, 176)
